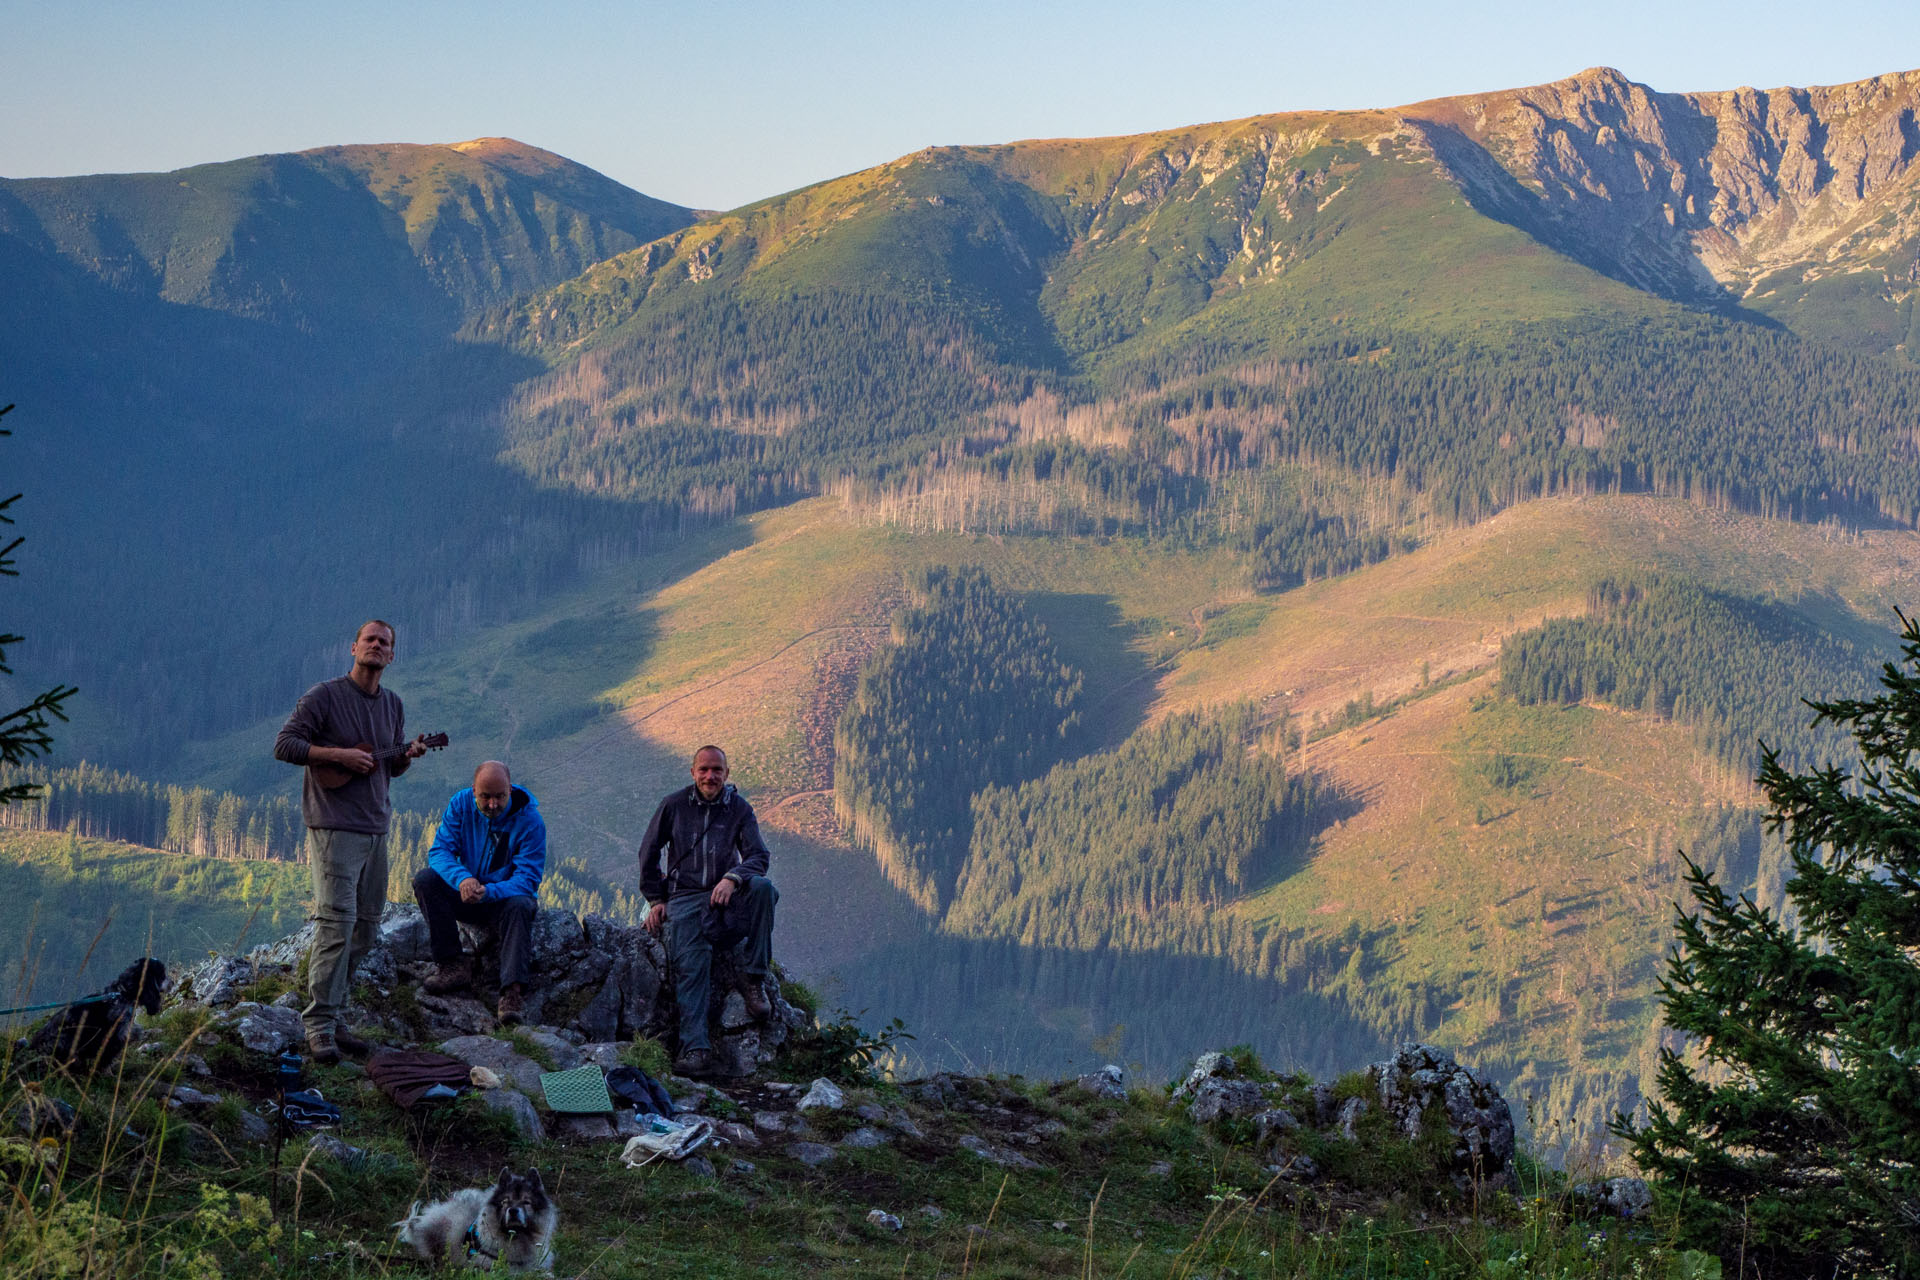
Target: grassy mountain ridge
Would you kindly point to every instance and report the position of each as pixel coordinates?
(239, 340)
(316, 239)
(972, 316)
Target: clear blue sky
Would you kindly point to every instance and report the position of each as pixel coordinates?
(714, 104)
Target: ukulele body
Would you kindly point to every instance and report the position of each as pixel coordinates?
(333, 777)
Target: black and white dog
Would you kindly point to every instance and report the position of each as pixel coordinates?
(91, 1033)
(509, 1225)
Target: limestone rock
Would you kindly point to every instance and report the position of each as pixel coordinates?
(864, 1137)
(884, 1220)
(499, 1057)
(335, 1149)
(995, 1154)
(583, 1128)
(1206, 1067)
(936, 1091)
(1108, 1082)
(254, 1129)
(824, 1094)
(1217, 1098)
(1275, 1120)
(604, 1055)
(562, 1050)
(736, 1134)
(1419, 1078)
(266, 1029)
(1621, 1197)
(811, 1154)
(1349, 1118)
(519, 1109)
(216, 982)
(182, 1096)
(38, 1115)
(403, 935)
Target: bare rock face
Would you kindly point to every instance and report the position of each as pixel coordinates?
(1420, 1083)
(1212, 1092)
(1692, 195)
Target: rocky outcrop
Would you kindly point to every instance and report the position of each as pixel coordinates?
(596, 982)
(1421, 1085)
(1694, 195)
(1416, 1089)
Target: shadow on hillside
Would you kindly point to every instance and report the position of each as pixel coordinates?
(1297, 836)
(997, 1006)
(1094, 637)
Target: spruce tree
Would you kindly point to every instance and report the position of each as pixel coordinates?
(1789, 1125)
(23, 730)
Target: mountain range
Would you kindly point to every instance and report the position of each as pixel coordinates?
(1303, 427)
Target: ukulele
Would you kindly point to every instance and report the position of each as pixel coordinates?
(332, 776)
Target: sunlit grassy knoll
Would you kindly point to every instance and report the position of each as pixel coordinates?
(1441, 610)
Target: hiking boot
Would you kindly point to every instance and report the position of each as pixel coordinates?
(455, 975)
(513, 1003)
(322, 1049)
(753, 991)
(696, 1064)
(350, 1044)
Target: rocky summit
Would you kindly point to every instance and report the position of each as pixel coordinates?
(596, 984)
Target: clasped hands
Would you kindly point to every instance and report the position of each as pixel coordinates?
(722, 894)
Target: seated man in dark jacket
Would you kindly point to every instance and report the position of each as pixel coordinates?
(710, 888)
(484, 868)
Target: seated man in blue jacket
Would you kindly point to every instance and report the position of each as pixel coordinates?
(484, 868)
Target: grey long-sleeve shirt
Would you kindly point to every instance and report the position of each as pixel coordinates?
(338, 713)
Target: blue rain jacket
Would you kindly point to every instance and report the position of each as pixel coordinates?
(507, 855)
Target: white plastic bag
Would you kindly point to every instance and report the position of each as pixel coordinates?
(673, 1139)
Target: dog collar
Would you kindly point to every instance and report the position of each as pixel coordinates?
(474, 1246)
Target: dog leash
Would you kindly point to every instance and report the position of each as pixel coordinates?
(56, 1004)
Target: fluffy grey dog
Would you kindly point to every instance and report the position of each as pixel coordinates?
(508, 1225)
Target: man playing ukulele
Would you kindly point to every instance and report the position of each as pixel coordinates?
(351, 735)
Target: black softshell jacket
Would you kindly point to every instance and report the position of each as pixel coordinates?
(703, 843)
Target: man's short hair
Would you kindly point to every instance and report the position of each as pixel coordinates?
(374, 622)
(501, 765)
(716, 750)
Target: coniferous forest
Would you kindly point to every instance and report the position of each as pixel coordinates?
(1736, 670)
(971, 693)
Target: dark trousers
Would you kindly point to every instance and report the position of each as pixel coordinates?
(691, 950)
(511, 920)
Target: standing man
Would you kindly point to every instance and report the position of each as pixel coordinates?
(351, 735)
(710, 889)
(484, 868)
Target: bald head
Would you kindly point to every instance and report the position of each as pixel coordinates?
(493, 788)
